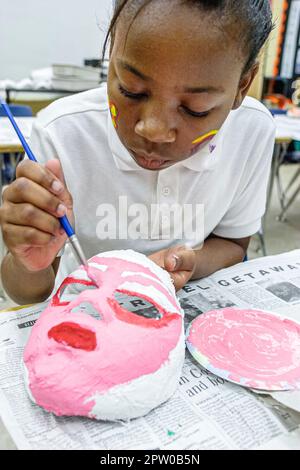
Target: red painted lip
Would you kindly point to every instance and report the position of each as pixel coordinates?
(74, 335)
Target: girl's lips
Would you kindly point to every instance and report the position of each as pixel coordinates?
(150, 163)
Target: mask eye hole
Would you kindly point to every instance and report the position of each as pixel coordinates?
(65, 292)
(138, 306)
(88, 309)
(69, 290)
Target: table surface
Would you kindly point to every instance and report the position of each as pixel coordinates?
(287, 127)
(9, 141)
(288, 440)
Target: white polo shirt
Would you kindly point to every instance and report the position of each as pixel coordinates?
(112, 193)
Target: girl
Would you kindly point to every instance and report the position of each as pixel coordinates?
(172, 134)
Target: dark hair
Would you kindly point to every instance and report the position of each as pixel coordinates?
(253, 16)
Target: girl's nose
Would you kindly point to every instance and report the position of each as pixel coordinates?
(156, 129)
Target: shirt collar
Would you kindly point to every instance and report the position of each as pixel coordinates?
(205, 159)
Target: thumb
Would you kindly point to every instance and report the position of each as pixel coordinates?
(179, 258)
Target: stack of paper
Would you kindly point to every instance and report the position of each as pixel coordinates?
(74, 78)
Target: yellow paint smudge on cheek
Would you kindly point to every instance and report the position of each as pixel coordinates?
(205, 137)
(114, 114)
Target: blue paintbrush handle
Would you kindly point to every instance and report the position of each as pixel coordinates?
(63, 220)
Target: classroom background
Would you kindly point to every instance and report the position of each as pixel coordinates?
(57, 52)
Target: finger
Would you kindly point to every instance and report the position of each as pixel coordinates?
(29, 215)
(25, 190)
(41, 175)
(16, 236)
(180, 279)
(158, 258)
(180, 258)
(55, 167)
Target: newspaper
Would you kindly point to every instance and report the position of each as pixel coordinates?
(206, 412)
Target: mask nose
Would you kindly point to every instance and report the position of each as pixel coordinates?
(87, 308)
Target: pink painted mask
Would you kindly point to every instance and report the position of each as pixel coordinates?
(116, 364)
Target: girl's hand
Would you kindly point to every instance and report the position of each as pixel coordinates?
(179, 261)
(29, 214)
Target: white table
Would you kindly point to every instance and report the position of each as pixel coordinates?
(287, 127)
(287, 130)
(200, 298)
(9, 141)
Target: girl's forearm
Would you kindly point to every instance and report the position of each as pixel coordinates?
(216, 254)
(25, 287)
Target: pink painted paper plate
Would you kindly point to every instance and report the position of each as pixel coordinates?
(252, 348)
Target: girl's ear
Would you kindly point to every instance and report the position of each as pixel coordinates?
(245, 84)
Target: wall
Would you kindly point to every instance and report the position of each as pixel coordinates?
(36, 33)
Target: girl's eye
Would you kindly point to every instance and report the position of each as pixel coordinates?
(194, 114)
(140, 96)
(133, 96)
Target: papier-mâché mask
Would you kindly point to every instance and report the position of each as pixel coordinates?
(118, 366)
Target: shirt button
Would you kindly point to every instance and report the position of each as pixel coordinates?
(166, 191)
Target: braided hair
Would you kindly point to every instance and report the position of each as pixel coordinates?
(253, 16)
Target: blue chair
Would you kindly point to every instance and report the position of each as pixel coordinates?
(18, 111)
(278, 112)
(8, 168)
